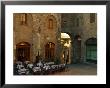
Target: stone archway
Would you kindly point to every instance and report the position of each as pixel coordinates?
(23, 51)
(91, 50)
(66, 48)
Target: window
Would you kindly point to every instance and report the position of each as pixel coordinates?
(92, 17)
(23, 18)
(50, 24)
(50, 51)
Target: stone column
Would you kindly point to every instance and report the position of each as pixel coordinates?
(34, 48)
(58, 45)
(83, 52)
(72, 50)
(14, 47)
(38, 44)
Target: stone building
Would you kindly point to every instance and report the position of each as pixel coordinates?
(82, 28)
(38, 36)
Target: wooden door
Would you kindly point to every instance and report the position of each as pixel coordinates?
(23, 51)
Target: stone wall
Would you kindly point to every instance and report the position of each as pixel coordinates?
(89, 31)
(22, 32)
(40, 25)
(79, 24)
(37, 33)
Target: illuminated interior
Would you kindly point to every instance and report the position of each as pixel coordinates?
(64, 35)
(66, 47)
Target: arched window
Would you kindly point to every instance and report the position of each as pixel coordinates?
(50, 26)
(51, 22)
(91, 50)
(23, 51)
(50, 51)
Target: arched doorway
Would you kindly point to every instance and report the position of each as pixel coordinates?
(91, 50)
(23, 51)
(65, 48)
(50, 51)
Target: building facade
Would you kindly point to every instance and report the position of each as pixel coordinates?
(82, 28)
(39, 35)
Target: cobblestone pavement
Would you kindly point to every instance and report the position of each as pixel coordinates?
(80, 69)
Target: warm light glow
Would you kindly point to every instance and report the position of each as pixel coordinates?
(22, 44)
(64, 35)
(67, 45)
